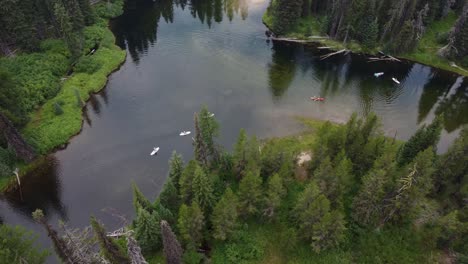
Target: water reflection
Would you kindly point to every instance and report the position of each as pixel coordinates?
(434, 89)
(136, 30)
(282, 69)
(40, 189)
(454, 106)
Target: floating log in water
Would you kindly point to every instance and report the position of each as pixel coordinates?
(326, 56)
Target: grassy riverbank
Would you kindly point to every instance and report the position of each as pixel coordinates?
(54, 100)
(425, 53)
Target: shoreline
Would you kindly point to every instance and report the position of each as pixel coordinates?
(48, 132)
(333, 45)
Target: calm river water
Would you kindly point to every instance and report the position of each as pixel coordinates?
(182, 54)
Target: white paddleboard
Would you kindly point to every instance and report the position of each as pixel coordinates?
(396, 81)
(185, 133)
(155, 151)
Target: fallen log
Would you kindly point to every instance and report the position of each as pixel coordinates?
(326, 56)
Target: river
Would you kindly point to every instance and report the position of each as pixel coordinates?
(183, 54)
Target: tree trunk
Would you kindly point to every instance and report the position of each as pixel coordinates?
(15, 140)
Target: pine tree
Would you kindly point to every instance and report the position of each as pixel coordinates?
(186, 181)
(412, 188)
(176, 167)
(147, 230)
(240, 156)
(191, 223)
(202, 189)
(424, 138)
(139, 200)
(224, 217)
(200, 150)
(274, 194)
(286, 13)
(210, 130)
(322, 227)
(61, 248)
(172, 249)
(327, 181)
(250, 193)
(65, 27)
(451, 181)
(75, 15)
(109, 247)
(87, 12)
(164, 213)
(368, 204)
(169, 197)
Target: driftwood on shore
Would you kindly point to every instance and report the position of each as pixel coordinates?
(326, 56)
(383, 58)
(311, 39)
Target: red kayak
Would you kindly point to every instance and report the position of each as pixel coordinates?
(317, 99)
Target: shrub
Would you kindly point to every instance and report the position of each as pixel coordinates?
(192, 257)
(93, 35)
(57, 109)
(87, 65)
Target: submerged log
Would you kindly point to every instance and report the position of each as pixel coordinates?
(15, 140)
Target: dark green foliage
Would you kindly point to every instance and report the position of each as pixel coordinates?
(243, 247)
(148, 230)
(140, 201)
(176, 167)
(87, 12)
(209, 128)
(202, 188)
(286, 13)
(110, 249)
(224, 217)
(425, 137)
(191, 223)
(169, 196)
(318, 224)
(11, 98)
(369, 31)
(274, 194)
(186, 181)
(250, 194)
(451, 179)
(199, 147)
(18, 245)
(192, 257)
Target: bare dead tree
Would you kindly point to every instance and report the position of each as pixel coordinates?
(133, 249)
(84, 246)
(172, 249)
(61, 247)
(450, 48)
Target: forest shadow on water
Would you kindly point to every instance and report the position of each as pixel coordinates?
(184, 54)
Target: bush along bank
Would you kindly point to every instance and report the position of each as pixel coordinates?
(433, 33)
(44, 92)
